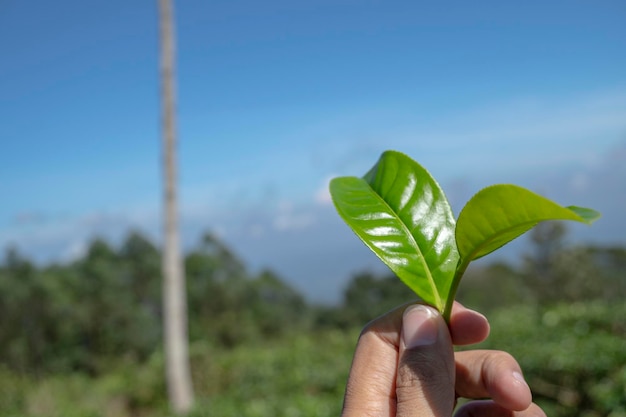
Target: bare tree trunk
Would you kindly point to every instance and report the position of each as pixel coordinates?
(174, 294)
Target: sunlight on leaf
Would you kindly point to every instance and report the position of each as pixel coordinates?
(399, 211)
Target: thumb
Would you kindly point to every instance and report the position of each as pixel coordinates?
(426, 370)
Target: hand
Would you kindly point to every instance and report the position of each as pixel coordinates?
(405, 366)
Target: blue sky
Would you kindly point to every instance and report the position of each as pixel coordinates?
(277, 97)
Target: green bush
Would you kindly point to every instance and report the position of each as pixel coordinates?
(300, 375)
(573, 356)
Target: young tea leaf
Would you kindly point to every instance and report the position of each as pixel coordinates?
(399, 211)
(500, 213)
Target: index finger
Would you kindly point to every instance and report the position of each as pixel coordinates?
(467, 326)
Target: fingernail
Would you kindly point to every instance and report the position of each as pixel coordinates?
(519, 378)
(419, 327)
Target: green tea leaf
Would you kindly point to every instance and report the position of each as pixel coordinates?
(500, 213)
(399, 211)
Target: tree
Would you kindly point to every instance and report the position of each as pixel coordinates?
(368, 296)
(174, 294)
(493, 286)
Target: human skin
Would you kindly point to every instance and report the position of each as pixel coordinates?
(405, 366)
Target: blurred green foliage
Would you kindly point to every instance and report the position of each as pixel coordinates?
(84, 338)
(573, 354)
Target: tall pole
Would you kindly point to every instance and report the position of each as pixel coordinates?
(176, 342)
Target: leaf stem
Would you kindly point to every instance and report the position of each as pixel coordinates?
(458, 274)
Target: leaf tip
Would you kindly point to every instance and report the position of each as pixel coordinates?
(587, 215)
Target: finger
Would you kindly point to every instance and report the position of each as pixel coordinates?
(425, 380)
(370, 390)
(493, 374)
(491, 409)
(371, 384)
(467, 326)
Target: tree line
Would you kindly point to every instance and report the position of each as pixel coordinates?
(107, 304)
(84, 315)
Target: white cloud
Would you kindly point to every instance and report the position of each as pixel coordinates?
(74, 251)
(288, 217)
(580, 182)
(256, 231)
(322, 195)
(65, 238)
(511, 135)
